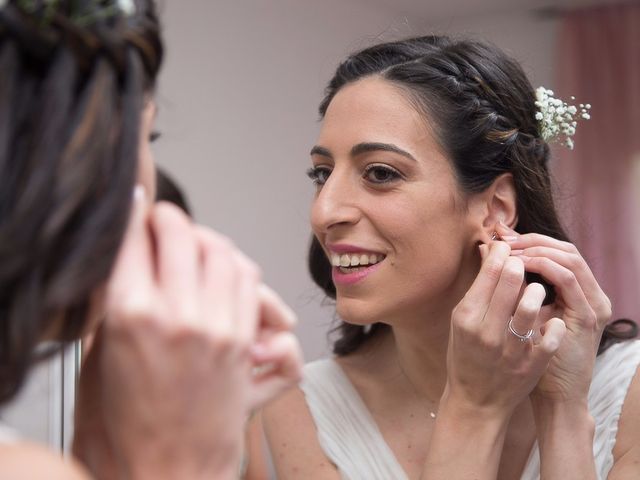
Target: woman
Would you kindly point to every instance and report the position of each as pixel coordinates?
(167, 386)
(434, 228)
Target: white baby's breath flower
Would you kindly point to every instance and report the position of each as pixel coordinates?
(128, 7)
(556, 118)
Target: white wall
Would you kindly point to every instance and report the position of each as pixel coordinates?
(238, 100)
(238, 112)
(528, 38)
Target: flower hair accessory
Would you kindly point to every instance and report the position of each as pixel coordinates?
(557, 118)
(99, 9)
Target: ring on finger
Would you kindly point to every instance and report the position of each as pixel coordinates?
(522, 337)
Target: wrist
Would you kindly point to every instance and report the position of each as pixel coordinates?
(178, 467)
(462, 419)
(230, 471)
(565, 433)
(466, 438)
(559, 420)
(472, 413)
(564, 409)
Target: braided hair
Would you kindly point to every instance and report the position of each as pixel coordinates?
(482, 108)
(73, 83)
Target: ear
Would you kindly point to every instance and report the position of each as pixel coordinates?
(498, 203)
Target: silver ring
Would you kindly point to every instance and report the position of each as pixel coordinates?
(519, 336)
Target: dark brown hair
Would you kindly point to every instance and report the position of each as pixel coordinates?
(74, 77)
(168, 190)
(482, 108)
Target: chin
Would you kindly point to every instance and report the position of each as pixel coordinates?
(357, 311)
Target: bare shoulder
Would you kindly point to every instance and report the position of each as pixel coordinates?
(626, 453)
(292, 437)
(26, 461)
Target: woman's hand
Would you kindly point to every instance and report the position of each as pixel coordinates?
(187, 320)
(580, 303)
(489, 368)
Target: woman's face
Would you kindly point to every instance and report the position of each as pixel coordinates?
(387, 198)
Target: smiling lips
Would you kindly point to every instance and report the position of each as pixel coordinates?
(355, 259)
(353, 266)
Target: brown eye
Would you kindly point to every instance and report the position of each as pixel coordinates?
(155, 135)
(381, 174)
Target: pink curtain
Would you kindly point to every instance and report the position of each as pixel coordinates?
(599, 63)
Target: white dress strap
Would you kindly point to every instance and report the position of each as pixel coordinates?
(612, 375)
(346, 431)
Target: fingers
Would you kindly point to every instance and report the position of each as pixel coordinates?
(524, 319)
(282, 356)
(133, 269)
(274, 313)
(565, 282)
(505, 297)
(554, 331)
(578, 266)
(521, 241)
(563, 264)
(177, 261)
(247, 299)
(219, 282)
(477, 299)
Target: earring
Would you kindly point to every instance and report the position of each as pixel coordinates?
(494, 236)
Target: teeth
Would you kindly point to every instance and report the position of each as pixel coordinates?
(354, 260)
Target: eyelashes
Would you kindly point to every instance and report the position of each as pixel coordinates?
(376, 174)
(155, 135)
(381, 174)
(319, 175)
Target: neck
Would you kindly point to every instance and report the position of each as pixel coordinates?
(421, 353)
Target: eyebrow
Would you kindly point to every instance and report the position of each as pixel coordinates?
(318, 150)
(364, 147)
(376, 146)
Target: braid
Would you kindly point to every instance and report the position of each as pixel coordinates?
(70, 103)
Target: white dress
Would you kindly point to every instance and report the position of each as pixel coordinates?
(351, 440)
(8, 435)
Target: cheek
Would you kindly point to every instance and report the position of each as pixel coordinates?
(429, 243)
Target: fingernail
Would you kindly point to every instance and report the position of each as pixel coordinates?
(139, 193)
(483, 251)
(517, 252)
(509, 238)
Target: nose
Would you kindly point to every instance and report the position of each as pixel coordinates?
(336, 203)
